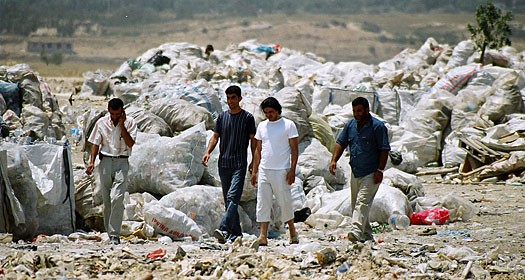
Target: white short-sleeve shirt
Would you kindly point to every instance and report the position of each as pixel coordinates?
(276, 151)
(107, 136)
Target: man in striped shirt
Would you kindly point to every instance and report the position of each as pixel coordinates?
(236, 129)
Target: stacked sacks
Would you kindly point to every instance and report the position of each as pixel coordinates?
(29, 97)
(421, 93)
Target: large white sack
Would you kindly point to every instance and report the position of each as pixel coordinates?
(461, 119)
(314, 161)
(170, 221)
(180, 114)
(425, 147)
(296, 107)
(454, 79)
(298, 195)
(25, 191)
(390, 105)
(408, 100)
(148, 122)
(461, 53)
(161, 165)
(198, 92)
(505, 98)
(452, 154)
(95, 83)
(128, 92)
(36, 120)
(409, 184)
(431, 114)
(355, 73)
(51, 170)
(388, 200)
(322, 131)
(203, 204)
(320, 99)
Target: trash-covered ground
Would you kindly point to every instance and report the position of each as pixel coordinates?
(442, 109)
(490, 245)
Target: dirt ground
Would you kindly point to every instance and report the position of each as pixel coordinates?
(490, 245)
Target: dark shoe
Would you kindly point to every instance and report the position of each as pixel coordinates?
(352, 238)
(220, 235)
(114, 240)
(232, 239)
(301, 215)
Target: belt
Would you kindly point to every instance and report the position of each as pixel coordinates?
(103, 156)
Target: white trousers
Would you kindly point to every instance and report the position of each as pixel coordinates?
(272, 182)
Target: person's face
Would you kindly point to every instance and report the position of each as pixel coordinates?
(271, 114)
(233, 101)
(360, 113)
(115, 114)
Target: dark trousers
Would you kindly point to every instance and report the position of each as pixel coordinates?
(232, 180)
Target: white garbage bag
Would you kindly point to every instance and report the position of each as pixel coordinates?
(170, 222)
(161, 165)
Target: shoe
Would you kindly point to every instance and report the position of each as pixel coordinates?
(294, 239)
(369, 237)
(114, 240)
(301, 215)
(352, 238)
(232, 239)
(220, 235)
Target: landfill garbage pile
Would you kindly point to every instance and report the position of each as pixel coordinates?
(441, 108)
(28, 108)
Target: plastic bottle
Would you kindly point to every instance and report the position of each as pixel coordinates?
(399, 221)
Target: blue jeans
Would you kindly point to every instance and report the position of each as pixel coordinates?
(232, 180)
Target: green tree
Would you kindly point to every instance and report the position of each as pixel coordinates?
(492, 28)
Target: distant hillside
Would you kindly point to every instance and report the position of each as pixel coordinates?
(21, 17)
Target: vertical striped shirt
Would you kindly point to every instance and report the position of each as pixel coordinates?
(234, 133)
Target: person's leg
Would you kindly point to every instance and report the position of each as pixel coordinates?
(354, 189)
(234, 197)
(263, 233)
(360, 218)
(264, 205)
(293, 233)
(120, 186)
(106, 182)
(225, 175)
(283, 195)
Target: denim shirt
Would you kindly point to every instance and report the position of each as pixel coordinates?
(365, 145)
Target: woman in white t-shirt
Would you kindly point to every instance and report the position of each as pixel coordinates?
(275, 161)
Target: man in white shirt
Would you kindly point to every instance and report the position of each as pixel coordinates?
(113, 137)
(275, 160)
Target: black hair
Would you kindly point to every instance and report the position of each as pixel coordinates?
(272, 103)
(233, 90)
(115, 104)
(361, 101)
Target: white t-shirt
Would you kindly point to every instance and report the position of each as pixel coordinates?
(275, 153)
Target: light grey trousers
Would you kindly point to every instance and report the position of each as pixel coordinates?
(113, 174)
(362, 193)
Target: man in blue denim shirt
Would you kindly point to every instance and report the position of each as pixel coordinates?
(236, 129)
(367, 138)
